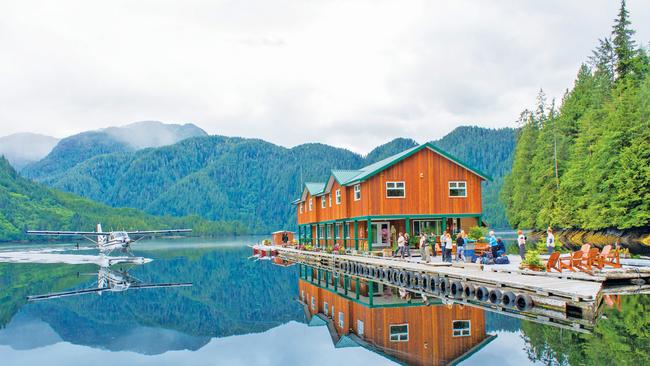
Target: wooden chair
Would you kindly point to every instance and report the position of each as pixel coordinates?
(607, 258)
(591, 259)
(585, 250)
(553, 262)
(572, 263)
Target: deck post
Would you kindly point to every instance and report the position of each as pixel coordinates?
(371, 292)
(318, 274)
(336, 231)
(346, 284)
(444, 224)
(357, 288)
(327, 279)
(325, 234)
(356, 235)
(345, 234)
(336, 282)
(369, 235)
(318, 234)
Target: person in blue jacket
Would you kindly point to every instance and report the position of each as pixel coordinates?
(492, 240)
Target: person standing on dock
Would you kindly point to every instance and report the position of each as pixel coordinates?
(550, 241)
(400, 245)
(492, 240)
(407, 248)
(424, 248)
(431, 238)
(460, 246)
(521, 243)
(449, 245)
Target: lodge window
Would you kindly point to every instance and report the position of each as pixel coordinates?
(428, 226)
(338, 196)
(310, 205)
(360, 327)
(322, 202)
(395, 189)
(461, 328)
(330, 199)
(341, 319)
(321, 232)
(339, 231)
(399, 333)
(313, 303)
(325, 308)
(458, 189)
(357, 192)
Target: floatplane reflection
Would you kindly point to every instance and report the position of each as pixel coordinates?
(109, 280)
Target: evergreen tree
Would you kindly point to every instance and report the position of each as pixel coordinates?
(624, 45)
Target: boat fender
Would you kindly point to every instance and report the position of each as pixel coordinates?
(383, 274)
(481, 293)
(434, 285)
(395, 279)
(403, 278)
(456, 289)
(508, 299)
(468, 291)
(524, 302)
(425, 282)
(444, 286)
(495, 296)
(416, 281)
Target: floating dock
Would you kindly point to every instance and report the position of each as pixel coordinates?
(568, 300)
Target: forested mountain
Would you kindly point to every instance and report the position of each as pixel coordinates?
(75, 149)
(246, 180)
(25, 204)
(601, 138)
(25, 148)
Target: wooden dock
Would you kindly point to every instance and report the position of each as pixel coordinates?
(566, 301)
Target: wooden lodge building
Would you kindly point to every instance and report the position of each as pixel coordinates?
(422, 187)
(363, 313)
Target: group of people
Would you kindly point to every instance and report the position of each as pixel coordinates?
(497, 245)
(427, 246)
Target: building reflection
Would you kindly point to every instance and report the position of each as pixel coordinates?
(402, 326)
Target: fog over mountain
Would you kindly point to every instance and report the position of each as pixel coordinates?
(145, 134)
(24, 148)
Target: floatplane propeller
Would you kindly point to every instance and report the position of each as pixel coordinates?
(107, 242)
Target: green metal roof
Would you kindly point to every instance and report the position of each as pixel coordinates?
(372, 169)
(315, 188)
(345, 176)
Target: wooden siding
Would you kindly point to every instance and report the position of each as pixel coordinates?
(426, 175)
(430, 334)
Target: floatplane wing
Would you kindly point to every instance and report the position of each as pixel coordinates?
(57, 295)
(147, 232)
(68, 233)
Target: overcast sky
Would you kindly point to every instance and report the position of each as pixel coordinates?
(348, 73)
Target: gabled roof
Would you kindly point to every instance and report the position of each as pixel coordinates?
(344, 176)
(315, 188)
(372, 169)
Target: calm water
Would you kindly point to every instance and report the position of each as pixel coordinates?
(240, 312)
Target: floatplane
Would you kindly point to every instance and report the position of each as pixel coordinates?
(107, 242)
(109, 280)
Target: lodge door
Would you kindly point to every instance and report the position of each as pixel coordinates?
(381, 234)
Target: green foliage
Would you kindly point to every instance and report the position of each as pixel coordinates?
(477, 232)
(619, 338)
(599, 139)
(532, 258)
(28, 205)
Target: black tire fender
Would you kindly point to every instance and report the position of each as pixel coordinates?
(495, 296)
(482, 293)
(524, 302)
(509, 299)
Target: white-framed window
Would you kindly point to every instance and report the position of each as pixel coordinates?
(458, 189)
(359, 327)
(399, 332)
(357, 192)
(339, 231)
(461, 328)
(301, 207)
(326, 307)
(313, 303)
(341, 319)
(321, 232)
(322, 202)
(330, 199)
(338, 196)
(310, 204)
(395, 189)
